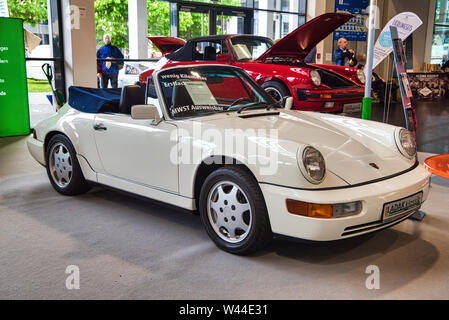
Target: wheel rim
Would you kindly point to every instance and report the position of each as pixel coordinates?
(229, 211)
(274, 93)
(60, 165)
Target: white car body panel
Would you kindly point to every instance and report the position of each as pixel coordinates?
(130, 149)
(137, 156)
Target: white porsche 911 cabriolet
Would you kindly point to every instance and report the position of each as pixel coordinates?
(208, 138)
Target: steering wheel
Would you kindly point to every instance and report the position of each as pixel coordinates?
(239, 100)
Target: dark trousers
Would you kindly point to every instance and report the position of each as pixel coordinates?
(109, 76)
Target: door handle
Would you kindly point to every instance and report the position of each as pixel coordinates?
(100, 126)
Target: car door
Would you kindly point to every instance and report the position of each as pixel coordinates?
(137, 150)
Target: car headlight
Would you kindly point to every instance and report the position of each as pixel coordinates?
(405, 142)
(311, 163)
(361, 76)
(315, 77)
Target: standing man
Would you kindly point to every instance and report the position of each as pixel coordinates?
(311, 57)
(343, 56)
(109, 68)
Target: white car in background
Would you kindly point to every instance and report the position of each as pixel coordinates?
(34, 68)
(299, 174)
(129, 74)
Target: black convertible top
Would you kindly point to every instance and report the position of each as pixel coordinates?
(187, 52)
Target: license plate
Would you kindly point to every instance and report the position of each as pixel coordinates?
(352, 107)
(395, 209)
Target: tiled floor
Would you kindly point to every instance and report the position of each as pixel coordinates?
(433, 123)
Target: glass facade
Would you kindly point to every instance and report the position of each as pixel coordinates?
(269, 18)
(440, 41)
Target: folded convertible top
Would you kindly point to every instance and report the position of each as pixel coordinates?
(91, 100)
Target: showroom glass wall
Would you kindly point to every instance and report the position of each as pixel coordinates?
(43, 44)
(187, 19)
(440, 41)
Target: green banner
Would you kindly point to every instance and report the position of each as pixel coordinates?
(14, 112)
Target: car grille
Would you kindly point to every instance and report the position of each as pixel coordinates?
(377, 225)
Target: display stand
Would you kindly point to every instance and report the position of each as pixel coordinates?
(14, 112)
(406, 94)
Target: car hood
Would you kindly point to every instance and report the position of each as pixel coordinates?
(350, 146)
(302, 40)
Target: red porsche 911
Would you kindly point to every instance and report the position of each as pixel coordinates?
(279, 68)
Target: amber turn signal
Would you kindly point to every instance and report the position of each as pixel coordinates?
(313, 210)
(325, 96)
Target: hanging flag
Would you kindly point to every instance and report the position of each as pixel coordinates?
(406, 23)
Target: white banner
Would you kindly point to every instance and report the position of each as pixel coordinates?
(406, 23)
(4, 8)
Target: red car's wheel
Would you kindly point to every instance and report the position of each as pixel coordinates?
(276, 90)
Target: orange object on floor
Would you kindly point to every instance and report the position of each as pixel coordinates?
(438, 165)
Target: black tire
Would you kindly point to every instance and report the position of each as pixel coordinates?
(277, 90)
(76, 184)
(259, 233)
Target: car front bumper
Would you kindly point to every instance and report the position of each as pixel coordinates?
(373, 197)
(311, 100)
(36, 149)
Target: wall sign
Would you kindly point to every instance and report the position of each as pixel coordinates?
(14, 112)
(355, 29)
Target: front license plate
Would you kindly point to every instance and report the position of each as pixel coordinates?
(352, 107)
(395, 209)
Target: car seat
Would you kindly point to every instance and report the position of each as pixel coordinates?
(210, 54)
(131, 95)
(181, 97)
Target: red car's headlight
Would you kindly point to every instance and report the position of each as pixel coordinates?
(361, 76)
(315, 77)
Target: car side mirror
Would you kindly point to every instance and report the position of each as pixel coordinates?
(287, 102)
(146, 112)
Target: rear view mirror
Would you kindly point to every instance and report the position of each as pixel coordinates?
(146, 112)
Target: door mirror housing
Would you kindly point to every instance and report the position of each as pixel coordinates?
(146, 112)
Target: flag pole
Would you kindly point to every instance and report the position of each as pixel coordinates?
(367, 100)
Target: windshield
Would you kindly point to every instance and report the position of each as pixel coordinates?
(199, 91)
(249, 48)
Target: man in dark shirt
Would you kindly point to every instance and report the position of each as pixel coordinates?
(343, 55)
(109, 68)
(311, 57)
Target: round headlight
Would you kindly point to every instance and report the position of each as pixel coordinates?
(406, 143)
(312, 165)
(315, 77)
(361, 76)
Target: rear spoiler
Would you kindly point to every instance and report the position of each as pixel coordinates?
(167, 45)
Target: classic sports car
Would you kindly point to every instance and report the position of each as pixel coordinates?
(208, 138)
(279, 68)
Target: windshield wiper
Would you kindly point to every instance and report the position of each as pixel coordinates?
(273, 105)
(255, 105)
